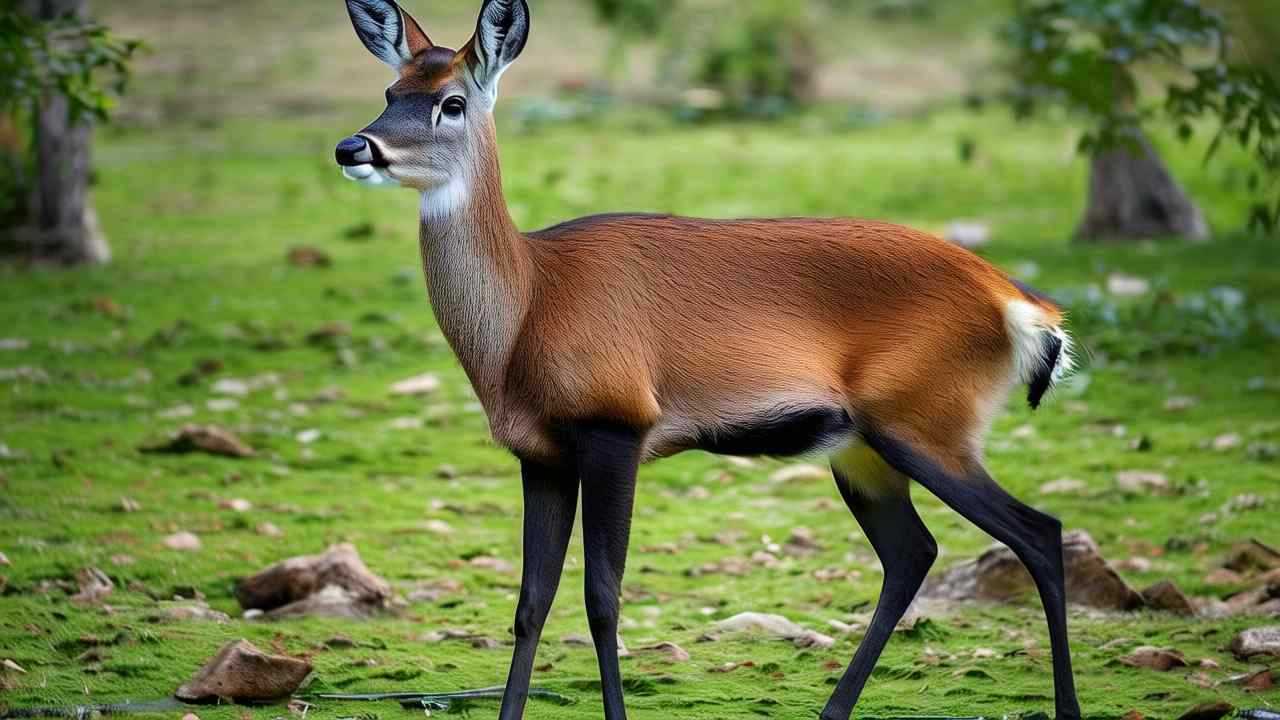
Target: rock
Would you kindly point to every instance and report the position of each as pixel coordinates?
(751, 623)
(1159, 659)
(1230, 441)
(1254, 642)
(4, 560)
(1251, 556)
(1122, 285)
(191, 716)
(128, 505)
(94, 585)
(1256, 681)
(267, 529)
(1140, 482)
(209, 439)
(414, 386)
(296, 579)
(1063, 486)
(432, 590)
(306, 256)
(794, 473)
(1166, 596)
(241, 672)
(1178, 403)
(670, 651)
(239, 505)
(1263, 451)
(14, 344)
(309, 436)
(185, 541)
(998, 576)
(331, 601)
(1208, 711)
(189, 612)
(969, 235)
(498, 565)
(1134, 564)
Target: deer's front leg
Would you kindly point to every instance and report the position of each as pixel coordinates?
(608, 457)
(550, 501)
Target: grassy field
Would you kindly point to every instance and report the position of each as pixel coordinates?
(201, 214)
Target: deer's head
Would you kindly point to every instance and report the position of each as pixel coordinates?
(438, 124)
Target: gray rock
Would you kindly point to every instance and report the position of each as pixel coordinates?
(1254, 642)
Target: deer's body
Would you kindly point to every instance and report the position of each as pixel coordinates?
(607, 341)
(702, 331)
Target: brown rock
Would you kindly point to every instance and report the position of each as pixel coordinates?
(1166, 596)
(1252, 556)
(997, 575)
(208, 439)
(1159, 659)
(241, 672)
(1208, 711)
(670, 651)
(1253, 642)
(310, 257)
(94, 585)
(296, 579)
(1257, 681)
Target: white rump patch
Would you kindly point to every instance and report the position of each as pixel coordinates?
(1027, 325)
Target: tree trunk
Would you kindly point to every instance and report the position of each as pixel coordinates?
(1132, 196)
(60, 224)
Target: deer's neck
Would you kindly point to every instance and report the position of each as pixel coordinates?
(477, 270)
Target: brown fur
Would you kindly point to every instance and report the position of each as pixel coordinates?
(671, 325)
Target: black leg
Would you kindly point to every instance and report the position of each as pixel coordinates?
(906, 551)
(550, 501)
(607, 457)
(1036, 538)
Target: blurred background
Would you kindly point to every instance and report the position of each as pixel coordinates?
(178, 250)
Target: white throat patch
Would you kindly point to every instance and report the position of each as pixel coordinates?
(441, 202)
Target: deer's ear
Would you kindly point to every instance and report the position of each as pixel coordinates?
(390, 33)
(501, 33)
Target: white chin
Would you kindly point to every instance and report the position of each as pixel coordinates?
(369, 176)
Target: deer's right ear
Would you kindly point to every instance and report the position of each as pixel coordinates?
(390, 33)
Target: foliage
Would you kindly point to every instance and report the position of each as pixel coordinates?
(634, 17)
(82, 61)
(1094, 56)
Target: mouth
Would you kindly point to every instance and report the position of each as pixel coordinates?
(369, 175)
(361, 162)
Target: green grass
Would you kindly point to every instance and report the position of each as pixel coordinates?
(201, 220)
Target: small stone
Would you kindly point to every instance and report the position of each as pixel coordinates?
(1139, 481)
(239, 505)
(1122, 285)
(222, 405)
(968, 234)
(796, 473)
(306, 256)
(232, 387)
(185, 541)
(446, 472)
(208, 439)
(670, 651)
(438, 527)
(190, 612)
(1063, 486)
(310, 436)
(94, 586)
(1166, 596)
(1254, 642)
(242, 673)
(408, 423)
(485, 562)
(1230, 441)
(4, 560)
(414, 386)
(14, 344)
(267, 529)
(751, 623)
(1154, 658)
(128, 505)
(1179, 403)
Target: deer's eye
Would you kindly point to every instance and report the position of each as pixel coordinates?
(454, 107)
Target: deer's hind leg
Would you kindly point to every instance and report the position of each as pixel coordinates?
(960, 481)
(879, 499)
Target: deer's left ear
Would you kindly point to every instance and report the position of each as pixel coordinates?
(501, 33)
(391, 34)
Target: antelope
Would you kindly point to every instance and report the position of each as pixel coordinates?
(608, 341)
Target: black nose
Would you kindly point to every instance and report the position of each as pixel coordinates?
(354, 151)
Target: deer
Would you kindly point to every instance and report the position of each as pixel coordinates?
(606, 342)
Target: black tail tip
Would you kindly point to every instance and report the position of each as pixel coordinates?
(1043, 379)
